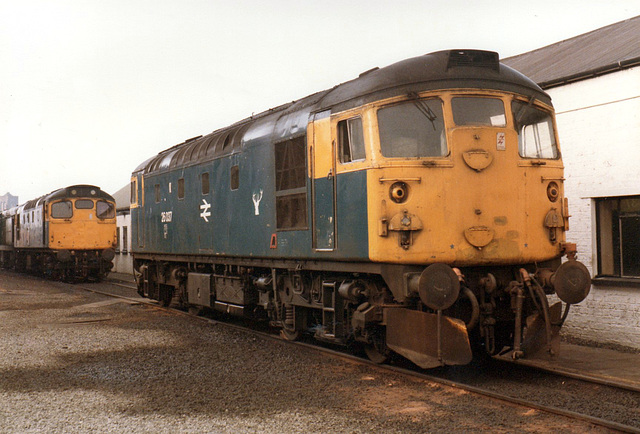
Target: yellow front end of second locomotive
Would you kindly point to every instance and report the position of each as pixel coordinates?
(81, 224)
(479, 182)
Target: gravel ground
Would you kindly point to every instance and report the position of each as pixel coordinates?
(74, 361)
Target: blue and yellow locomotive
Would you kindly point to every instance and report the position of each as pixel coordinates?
(416, 209)
(69, 234)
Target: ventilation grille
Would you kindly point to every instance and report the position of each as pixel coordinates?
(474, 59)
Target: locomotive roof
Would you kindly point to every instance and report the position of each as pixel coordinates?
(451, 69)
(80, 190)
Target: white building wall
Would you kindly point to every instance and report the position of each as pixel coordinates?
(123, 262)
(599, 127)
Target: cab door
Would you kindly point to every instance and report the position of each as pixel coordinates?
(323, 184)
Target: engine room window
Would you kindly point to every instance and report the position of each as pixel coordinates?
(62, 210)
(618, 236)
(351, 140)
(412, 129)
(84, 204)
(291, 164)
(205, 183)
(291, 211)
(156, 192)
(105, 210)
(181, 188)
(235, 177)
(291, 184)
(536, 138)
(478, 112)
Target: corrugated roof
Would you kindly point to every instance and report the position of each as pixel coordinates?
(607, 49)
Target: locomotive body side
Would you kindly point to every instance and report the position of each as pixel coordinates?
(418, 208)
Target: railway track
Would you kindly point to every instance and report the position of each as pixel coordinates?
(583, 377)
(440, 377)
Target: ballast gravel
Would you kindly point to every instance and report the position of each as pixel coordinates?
(73, 361)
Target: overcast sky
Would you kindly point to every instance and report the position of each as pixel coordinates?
(91, 88)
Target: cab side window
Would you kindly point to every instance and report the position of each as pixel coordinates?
(536, 136)
(351, 140)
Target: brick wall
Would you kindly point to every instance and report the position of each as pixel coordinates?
(599, 127)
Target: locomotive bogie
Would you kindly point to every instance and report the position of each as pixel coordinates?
(419, 208)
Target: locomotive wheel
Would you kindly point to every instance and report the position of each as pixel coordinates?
(290, 335)
(178, 297)
(376, 349)
(375, 355)
(292, 323)
(165, 295)
(194, 310)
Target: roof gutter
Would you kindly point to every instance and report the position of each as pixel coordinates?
(601, 70)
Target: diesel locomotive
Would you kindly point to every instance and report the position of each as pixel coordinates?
(69, 234)
(418, 209)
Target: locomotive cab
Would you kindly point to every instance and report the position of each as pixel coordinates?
(458, 179)
(471, 191)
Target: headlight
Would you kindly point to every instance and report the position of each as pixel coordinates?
(399, 191)
(553, 191)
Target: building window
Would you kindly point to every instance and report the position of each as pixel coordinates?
(291, 184)
(117, 240)
(181, 188)
(125, 239)
(618, 236)
(351, 140)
